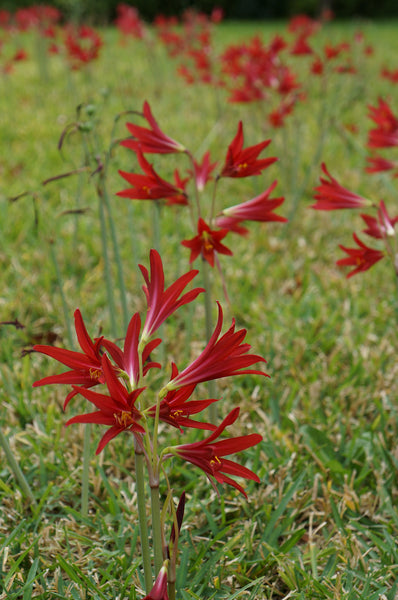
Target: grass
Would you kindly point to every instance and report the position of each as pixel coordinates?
(323, 522)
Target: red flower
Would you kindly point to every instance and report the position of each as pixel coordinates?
(162, 303)
(128, 21)
(82, 45)
(175, 410)
(208, 454)
(86, 366)
(362, 258)
(159, 590)
(231, 224)
(243, 162)
(127, 360)
(202, 171)
(381, 226)
(376, 164)
(257, 209)
(392, 75)
(301, 45)
(332, 196)
(116, 410)
(150, 186)
(222, 357)
(317, 66)
(385, 135)
(206, 243)
(151, 140)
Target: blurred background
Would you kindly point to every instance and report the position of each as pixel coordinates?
(104, 11)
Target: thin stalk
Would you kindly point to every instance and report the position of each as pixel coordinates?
(116, 252)
(107, 267)
(141, 504)
(156, 528)
(86, 468)
(16, 469)
(171, 588)
(156, 214)
(209, 330)
(65, 308)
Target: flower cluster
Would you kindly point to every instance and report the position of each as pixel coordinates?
(82, 45)
(122, 374)
(239, 162)
(380, 225)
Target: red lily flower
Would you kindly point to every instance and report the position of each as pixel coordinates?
(150, 186)
(151, 140)
(116, 410)
(382, 226)
(233, 225)
(202, 171)
(332, 196)
(208, 454)
(301, 45)
(162, 303)
(82, 45)
(385, 135)
(86, 366)
(207, 243)
(159, 590)
(376, 164)
(392, 75)
(175, 410)
(257, 209)
(243, 162)
(127, 360)
(222, 357)
(362, 258)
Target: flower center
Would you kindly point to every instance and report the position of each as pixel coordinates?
(124, 419)
(95, 374)
(215, 463)
(207, 241)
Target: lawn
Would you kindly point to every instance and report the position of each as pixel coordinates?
(323, 520)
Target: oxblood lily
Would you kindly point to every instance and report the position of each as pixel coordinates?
(175, 410)
(159, 590)
(386, 133)
(362, 258)
(208, 454)
(82, 45)
(150, 186)
(207, 243)
(202, 171)
(381, 226)
(223, 357)
(162, 303)
(231, 224)
(376, 164)
(116, 410)
(257, 209)
(127, 360)
(243, 162)
(86, 366)
(151, 140)
(332, 196)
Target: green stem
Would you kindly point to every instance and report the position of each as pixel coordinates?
(119, 267)
(171, 588)
(107, 268)
(16, 469)
(65, 308)
(156, 528)
(86, 468)
(140, 487)
(209, 330)
(156, 224)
